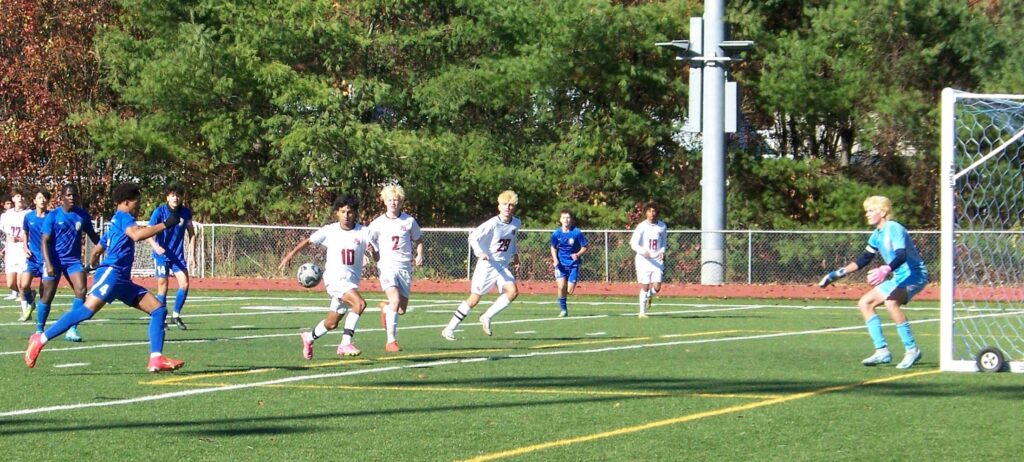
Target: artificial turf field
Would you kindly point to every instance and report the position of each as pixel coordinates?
(698, 380)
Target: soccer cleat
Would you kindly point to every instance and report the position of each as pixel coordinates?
(448, 335)
(35, 345)
(912, 356)
(641, 316)
(392, 347)
(26, 314)
(563, 313)
(11, 296)
(349, 349)
(72, 335)
(881, 356)
(307, 345)
(485, 323)
(181, 324)
(163, 364)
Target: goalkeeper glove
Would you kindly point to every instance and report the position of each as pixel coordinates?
(832, 277)
(172, 220)
(877, 275)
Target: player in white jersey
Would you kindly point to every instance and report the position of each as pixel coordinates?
(649, 242)
(11, 223)
(494, 243)
(346, 242)
(395, 235)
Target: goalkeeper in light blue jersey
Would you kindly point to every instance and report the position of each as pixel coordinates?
(892, 242)
(169, 256)
(568, 244)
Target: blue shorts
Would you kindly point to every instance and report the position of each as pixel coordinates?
(34, 268)
(111, 285)
(164, 267)
(569, 273)
(914, 284)
(62, 268)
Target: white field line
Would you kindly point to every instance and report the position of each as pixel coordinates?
(192, 392)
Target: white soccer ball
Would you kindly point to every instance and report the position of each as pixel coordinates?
(309, 274)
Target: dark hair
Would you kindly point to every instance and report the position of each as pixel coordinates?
(176, 188)
(127, 192)
(16, 192)
(70, 187)
(42, 191)
(652, 205)
(342, 201)
(566, 210)
(6, 198)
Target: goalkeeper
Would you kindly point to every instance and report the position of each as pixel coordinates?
(892, 242)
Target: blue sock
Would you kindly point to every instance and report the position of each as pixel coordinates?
(29, 296)
(906, 335)
(70, 319)
(162, 299)
(875, 330)
(42, 313)
(156, 329)
(179, 299)
(561, 304)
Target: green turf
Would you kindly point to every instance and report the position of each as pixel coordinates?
(698, 380)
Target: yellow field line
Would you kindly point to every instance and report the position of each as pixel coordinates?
(686, 418)
(188, 378)
(700, 334)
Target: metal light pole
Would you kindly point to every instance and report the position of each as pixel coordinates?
(713, 111)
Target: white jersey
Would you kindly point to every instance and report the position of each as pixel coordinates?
(495, 239)
(12, 223)
(393, 238)
(345, 251)
(650, 238)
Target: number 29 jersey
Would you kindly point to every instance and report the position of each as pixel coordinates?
(345, 251)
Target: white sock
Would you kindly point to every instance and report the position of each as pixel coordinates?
(391, 322)
(460, 313)
(644, 295)
(500, 304)
(351, 320)
(319, 331)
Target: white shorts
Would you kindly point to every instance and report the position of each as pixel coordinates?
(15, 260)
(489, 274)
(337, 288)
(400, 279)
(648, 272)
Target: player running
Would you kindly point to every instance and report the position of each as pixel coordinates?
(113, 281)
(169, 255)
(494, 244)
(568, 244)
(649, 241)
(33, 226)
(395, 235)
(892, 242)
(347, 243)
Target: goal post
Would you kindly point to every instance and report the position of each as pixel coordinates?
(982, 207)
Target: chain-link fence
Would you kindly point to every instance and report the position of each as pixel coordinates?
(752, 257)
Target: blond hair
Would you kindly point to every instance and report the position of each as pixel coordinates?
(392, 190)
(508, 197)
(880, 203)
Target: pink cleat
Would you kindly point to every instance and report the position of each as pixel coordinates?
(164, 364)
(349, 349)
(307, 345)
(392, 347)
(35, 345)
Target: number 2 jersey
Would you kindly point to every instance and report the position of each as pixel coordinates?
(345, 251)
(496, 239)
(393, 238)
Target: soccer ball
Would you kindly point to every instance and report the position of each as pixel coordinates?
(309, 274)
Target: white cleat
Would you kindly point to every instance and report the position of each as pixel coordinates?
(912, 357)
(881, 356)
(485, 323)
(448, 335)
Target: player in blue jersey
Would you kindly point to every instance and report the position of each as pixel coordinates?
(62, 249)
(113, 281)
(169, 256)
(891, 241)
(568, 244)
(33, 226)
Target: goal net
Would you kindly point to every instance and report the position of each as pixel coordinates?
(982, 271)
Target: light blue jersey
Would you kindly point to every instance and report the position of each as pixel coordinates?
(912, 275)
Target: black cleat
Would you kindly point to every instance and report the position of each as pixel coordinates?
(181, 324)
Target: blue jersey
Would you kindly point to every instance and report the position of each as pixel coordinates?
(173, 239)
(891, 237)
(65, 229)
(567, 243)
(33, 227)
(120, 247)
